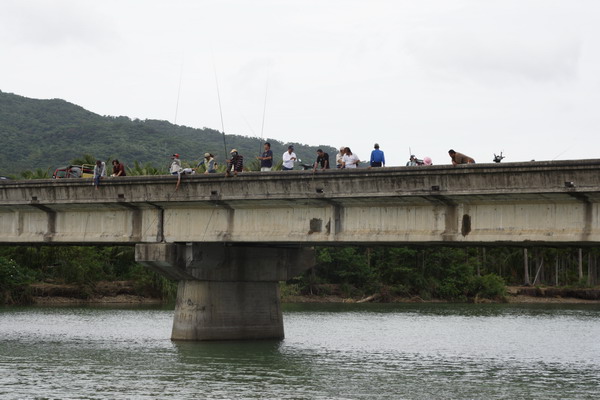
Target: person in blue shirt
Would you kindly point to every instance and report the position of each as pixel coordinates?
(377, 157)
(266, 159)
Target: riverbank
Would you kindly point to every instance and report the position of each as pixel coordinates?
(529, 294)
(103, 292)
(514, 294)
(125, 292)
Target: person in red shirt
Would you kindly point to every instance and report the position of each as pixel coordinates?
(118, 168)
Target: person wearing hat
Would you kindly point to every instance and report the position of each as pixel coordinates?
(377, 157)
(236, 163)
(288, 159)
(266, 159)
(175, 168)
(209, 163)
(413, 161)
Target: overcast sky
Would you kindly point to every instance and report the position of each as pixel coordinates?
(519, 76)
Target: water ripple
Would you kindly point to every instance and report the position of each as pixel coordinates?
(330, 352)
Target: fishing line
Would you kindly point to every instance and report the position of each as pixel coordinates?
(262, 128)
(178, 93)
(563, 152)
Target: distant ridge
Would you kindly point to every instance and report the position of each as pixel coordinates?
(49, 133)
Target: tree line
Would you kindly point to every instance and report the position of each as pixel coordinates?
(447, 273)
(450, 273)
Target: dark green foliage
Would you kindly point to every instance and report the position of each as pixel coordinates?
(146, 169)
(457, 274)
(38, 173)
(490, 286)
(80, 265)
(455, 285)
(151, 284)
(85, 159)
(349, 265)
(13, 282)
(52, 133)
(354, 271)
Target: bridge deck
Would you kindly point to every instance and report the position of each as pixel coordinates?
(478, 203)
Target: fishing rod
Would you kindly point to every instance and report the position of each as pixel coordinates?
(220, 108)
(262, 128)
(178, 93)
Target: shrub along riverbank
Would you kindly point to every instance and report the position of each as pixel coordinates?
(77, 271)
(375, 274)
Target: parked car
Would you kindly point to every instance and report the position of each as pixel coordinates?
(74, 171)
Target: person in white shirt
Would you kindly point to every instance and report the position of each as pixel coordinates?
(175, 168)
(99, 172)
(288, 159)
(350, 160)
(339, 157)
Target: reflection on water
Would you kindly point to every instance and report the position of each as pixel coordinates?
(339, 351)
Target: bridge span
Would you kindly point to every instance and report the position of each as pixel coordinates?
(230, 240)
(471, 204)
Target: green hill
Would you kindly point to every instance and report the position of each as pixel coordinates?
(49, 133)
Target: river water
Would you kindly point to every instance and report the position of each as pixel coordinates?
(341, 351)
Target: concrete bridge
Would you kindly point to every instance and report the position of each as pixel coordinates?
(230, 240)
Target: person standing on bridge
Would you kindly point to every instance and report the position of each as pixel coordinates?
(266, 158)
(236, 163)
(339, 157)
(350, 159)
(288, 159)
(459, 158)
(377, 157)
(99, 172)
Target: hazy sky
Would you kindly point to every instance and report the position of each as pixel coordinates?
(478, 76)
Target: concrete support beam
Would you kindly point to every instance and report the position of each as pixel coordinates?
(165, 258)
(226, 292)
(210, 310)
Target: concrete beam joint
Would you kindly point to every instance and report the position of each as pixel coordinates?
(217, 262)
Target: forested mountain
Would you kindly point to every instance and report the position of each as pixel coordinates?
(48, 133)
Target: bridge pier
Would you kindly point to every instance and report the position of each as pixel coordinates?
(226, 292)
